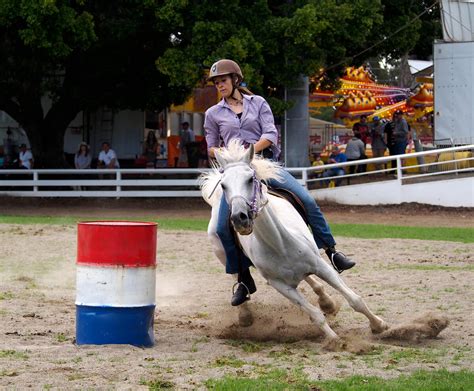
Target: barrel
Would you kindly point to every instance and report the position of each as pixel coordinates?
(115, 283)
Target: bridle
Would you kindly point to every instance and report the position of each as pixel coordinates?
(255, 205)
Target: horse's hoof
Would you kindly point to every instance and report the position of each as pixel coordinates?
(245, 316)
(380, 328)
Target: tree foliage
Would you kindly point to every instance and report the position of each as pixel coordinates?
(138, 54)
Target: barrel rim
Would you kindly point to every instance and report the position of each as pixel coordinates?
(117, 223)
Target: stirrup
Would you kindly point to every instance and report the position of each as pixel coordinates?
(245, 286)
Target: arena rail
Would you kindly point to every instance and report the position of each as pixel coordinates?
(181, 182)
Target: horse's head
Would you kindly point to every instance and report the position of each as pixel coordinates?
(242, 190)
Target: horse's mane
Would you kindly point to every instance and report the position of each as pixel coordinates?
(234, 153)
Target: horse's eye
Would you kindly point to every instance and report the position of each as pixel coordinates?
(250, 180)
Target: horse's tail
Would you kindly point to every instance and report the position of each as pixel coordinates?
(209, 184)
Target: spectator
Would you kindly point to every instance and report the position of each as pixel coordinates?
(82, 158)
(26, 158)
(361, 129)
(389, 139)
(377, 137)
(150, 148)
(401, 134)
(355, 150)
(186, 136)
(107, 157)
(336, 157)
(203, 157)
(317, 162)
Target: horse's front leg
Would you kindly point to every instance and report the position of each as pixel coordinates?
(314, 313)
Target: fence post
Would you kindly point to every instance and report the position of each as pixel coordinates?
(118, 178)
(35, 180)
(304, 177)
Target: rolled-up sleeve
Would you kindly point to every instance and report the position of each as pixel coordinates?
(267, 124)
(212, 130)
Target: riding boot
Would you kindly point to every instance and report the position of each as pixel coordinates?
(338, 260)
(245, 287)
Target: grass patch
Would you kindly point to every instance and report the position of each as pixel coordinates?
(13, 354)
(164, 223)
(229, 361)
(409, 355)
(418, 381)
(157, 384)
(429, 267)
(246, 346)
(6, 295)
(364, 231)
(296, 380)
(375, 231)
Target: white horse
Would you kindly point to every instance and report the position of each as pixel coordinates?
(273, 235)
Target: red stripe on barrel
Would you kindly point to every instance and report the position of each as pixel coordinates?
(112, 243)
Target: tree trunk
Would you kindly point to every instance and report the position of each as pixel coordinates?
(47, 135)
(406, 78)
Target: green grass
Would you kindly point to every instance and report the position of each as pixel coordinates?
(364, 231)
(280, 380)
(166, 223)
(375, 231)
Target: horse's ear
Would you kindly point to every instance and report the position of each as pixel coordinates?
(248, 157)
(222, 162)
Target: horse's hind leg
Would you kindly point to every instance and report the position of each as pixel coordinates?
(315, 313)
(326, 302)
(326, 273)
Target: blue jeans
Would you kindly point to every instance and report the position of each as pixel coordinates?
(320, 228)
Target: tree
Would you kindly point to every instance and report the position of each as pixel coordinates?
(80, 55)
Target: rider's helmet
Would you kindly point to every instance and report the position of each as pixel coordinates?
(226, 67)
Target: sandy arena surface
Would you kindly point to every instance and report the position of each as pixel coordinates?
(196, 329)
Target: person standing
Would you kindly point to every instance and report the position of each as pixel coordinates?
(401, 135)
(248, 118)
(150, 148)
(361, 129)
(377, 137)
(26, 158)
(355, 150)
(107, 157)
(186, 136)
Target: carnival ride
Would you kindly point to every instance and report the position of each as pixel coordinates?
(359, 94)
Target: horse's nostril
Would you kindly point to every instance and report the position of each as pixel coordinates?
(242, 216)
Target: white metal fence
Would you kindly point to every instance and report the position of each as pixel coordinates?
(175, 182)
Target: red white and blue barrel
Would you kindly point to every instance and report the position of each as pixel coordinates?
(115, 283)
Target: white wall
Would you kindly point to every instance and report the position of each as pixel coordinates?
(452, 193)
(454, 91)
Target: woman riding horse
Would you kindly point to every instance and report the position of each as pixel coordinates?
(247, 117)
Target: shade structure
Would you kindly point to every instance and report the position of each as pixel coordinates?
(115, 283)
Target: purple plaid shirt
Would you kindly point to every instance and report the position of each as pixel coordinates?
(256, 123)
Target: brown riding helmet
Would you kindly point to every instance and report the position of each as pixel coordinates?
(225, 67)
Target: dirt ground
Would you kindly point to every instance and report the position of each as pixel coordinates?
(196, 329)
